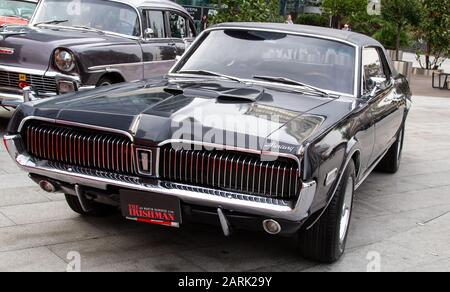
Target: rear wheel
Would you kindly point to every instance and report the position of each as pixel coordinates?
(96, 209)
(391, 161)
(325, 241)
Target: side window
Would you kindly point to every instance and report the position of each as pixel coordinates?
(155, 21)
(178, 25)
(373, 66)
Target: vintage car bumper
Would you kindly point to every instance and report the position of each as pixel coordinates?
(41, 84)
(264, 208)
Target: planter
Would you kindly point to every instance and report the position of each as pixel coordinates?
(404, 68)
(392, 55)
(424, 72)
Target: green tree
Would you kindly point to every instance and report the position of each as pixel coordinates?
(246, 11)
(341, 9)
(434, 30)
(400, 13)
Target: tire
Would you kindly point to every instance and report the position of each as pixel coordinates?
(325, 241)
(105, 81)
(97, 210)
(391, 161)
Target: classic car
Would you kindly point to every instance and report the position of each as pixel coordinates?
(274, 133)
(78, 45)
(16, 12)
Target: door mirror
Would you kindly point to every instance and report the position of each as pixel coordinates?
(178, 58)
(149, 33)
(377, 84)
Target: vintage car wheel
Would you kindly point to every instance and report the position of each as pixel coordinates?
(97, 210)
(325, 241)
(104, 81)
(391, 161)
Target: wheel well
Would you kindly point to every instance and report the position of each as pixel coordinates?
(114, 77)
(356, 159)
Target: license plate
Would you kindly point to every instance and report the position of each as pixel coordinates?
(22, 77)
(151, 208)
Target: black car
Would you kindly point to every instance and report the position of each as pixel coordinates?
(258, 126)
(78, 45)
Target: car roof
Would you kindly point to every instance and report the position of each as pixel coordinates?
(154, 4)
(351, 37)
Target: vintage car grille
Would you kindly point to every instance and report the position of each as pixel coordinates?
(231, 171)
(40, 83)
(79, 147)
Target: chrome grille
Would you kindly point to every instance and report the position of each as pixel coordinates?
(231, 171)
(40, 83)
(79, 147)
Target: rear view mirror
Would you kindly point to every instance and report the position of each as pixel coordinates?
(149, 33)
(377, 84)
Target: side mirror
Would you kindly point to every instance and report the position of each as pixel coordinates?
(149, 33)
(177, 58)
(377, 84)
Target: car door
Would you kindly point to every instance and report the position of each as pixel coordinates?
(386, 108)
(158, 50)
(182, 31)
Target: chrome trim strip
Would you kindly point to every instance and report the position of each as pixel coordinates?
(105, 67)
(293, 211)
(74, 124)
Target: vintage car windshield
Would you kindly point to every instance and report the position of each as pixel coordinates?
(322, 63)
(15, 8)
(97, 14)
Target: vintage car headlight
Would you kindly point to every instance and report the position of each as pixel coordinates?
(64, 60)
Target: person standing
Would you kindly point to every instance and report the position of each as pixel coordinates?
(347, 27)
(289, 19)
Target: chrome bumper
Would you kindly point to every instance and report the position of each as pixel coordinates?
(243, 203)
(13, 97)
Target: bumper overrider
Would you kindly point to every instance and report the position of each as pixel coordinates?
(258, 209)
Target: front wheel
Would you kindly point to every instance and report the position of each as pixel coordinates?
(325, 241)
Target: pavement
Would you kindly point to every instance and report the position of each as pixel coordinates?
(401, 222)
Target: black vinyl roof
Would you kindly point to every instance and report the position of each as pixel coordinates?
(354, 38)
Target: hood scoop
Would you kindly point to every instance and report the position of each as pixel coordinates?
(234, 95)
(241, 95)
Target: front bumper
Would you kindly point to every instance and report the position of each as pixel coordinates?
(11, 96)
(268, 208)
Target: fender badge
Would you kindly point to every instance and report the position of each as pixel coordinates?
(6, 51)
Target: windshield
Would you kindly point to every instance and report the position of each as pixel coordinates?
(325, 64)
(103, 15)
(14, 8)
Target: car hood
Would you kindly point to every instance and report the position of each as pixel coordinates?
(34, 46)
(154, 112)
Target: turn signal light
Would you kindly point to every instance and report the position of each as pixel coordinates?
(22, 84)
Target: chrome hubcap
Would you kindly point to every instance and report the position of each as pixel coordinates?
(346, 211)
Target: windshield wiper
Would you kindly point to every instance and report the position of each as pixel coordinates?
(292, 82)
(210, 73)
(89, 28)
(55, 21)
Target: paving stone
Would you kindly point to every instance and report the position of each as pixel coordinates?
(41, 212)
(31, 260)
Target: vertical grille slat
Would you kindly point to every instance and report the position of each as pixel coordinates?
(80, 147)
(231, 171)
